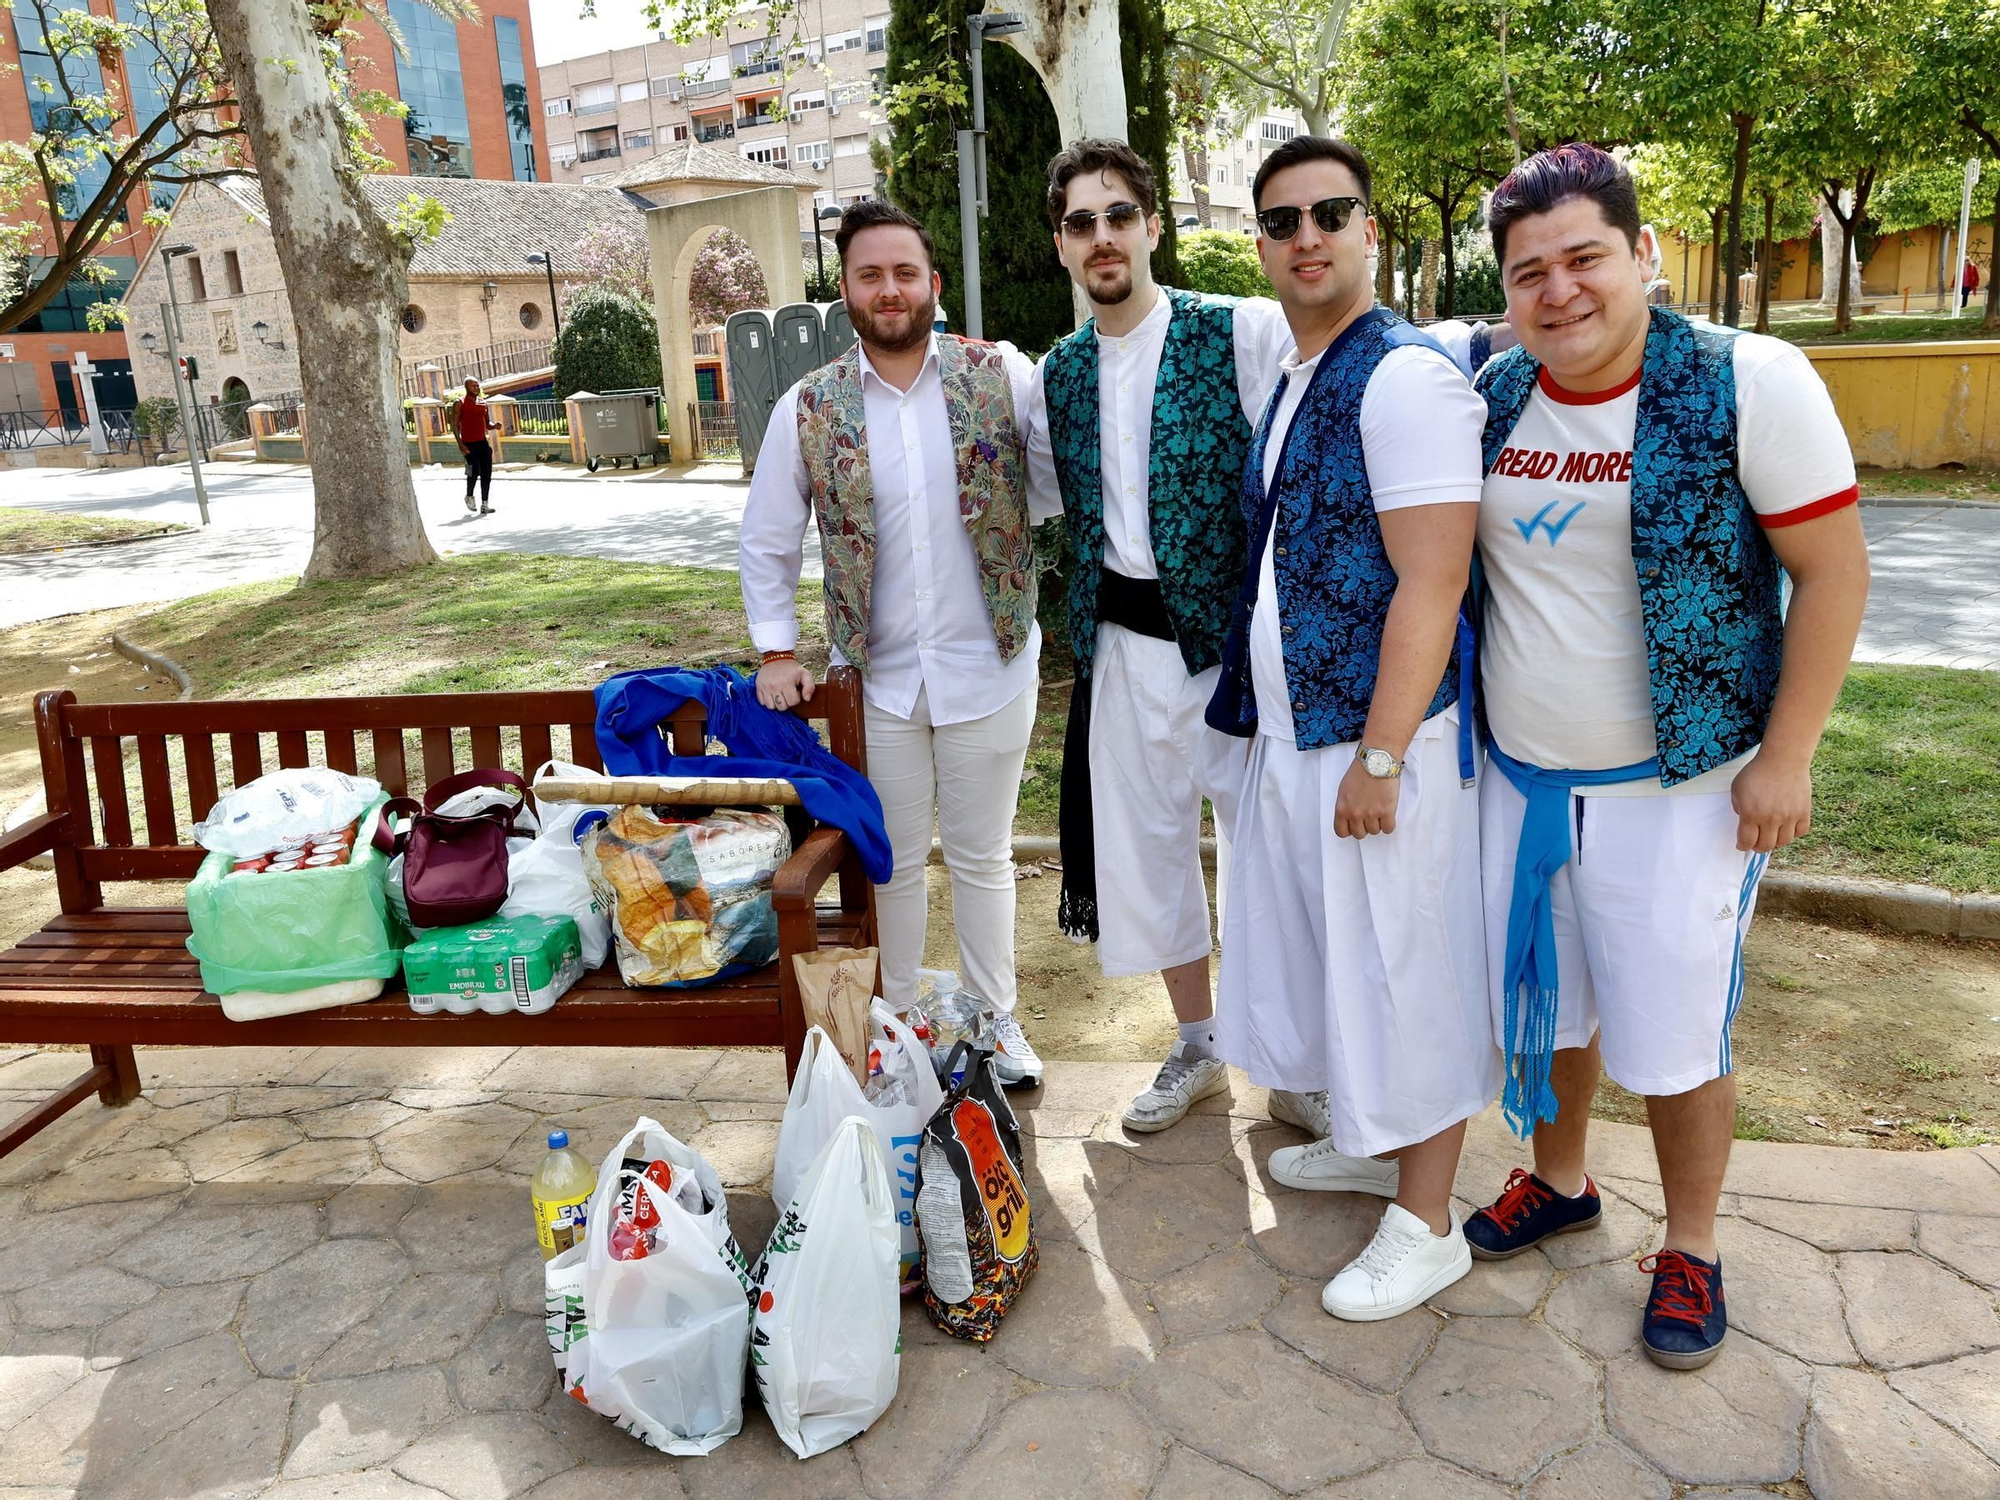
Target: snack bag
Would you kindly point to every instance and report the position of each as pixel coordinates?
(835, 988)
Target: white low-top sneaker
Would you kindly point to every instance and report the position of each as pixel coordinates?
(1307, 1111)
(1404, 1266)
(1186, 1076)
(1016, 1061)
(1319, 1168)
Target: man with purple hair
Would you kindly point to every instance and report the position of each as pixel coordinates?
(1653, 707)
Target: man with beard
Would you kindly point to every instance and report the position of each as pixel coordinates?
(910, 452)
(1352, 944)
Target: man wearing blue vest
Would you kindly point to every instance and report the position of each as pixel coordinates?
(1653, 708)
(1353, 953)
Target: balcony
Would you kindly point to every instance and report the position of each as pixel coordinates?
(597, 153)
(608, 106)
(760, 67)
(714, 132)
(706, 88)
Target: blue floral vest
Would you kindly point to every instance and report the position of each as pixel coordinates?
(1193, 472)
(1333, 573)
(1708, 580)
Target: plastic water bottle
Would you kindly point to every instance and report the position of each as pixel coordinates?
(561, 1189)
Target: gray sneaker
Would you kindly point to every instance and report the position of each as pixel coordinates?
(1307, 1111)
(1186, 1076)
(1015, 1061)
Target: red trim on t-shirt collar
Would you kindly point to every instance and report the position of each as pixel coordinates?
(1581, 398)
(1812, 510)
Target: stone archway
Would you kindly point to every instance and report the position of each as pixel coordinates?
(768, 218)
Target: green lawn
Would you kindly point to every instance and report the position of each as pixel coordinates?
(1954, 484)
(1880, 328)
(40, 530)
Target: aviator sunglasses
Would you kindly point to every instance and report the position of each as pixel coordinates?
(1331, 214)
(1083, 223)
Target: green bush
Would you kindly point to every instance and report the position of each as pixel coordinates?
(1214, 260)
(156, 416)
(608, 343)
(1476, 291)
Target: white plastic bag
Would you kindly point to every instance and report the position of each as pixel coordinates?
(546, 879)
(667, 1335)
(290, 804)
(824, 1093)
(826, 1343)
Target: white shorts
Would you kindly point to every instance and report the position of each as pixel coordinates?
(1152, 760)
(1650, 914)
(1358, 966)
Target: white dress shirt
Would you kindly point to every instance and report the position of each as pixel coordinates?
(929, 627)
(1128, 369)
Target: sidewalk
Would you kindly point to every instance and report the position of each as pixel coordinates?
(311, 1273)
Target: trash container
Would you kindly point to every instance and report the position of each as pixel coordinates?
(839, 336)
(753, 378)
(619, 425)
(798, 338)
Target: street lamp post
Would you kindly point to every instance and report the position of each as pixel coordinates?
(830, 214)
(547, 262)
(972, 160)
(170, 311)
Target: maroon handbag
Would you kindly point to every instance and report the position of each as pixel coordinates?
(454, 868)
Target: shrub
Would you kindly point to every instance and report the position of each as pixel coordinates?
(1213, 260)
(156, 416)
(608, 343)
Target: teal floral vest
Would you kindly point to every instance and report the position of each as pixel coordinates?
(991, 453)
(1193, 475)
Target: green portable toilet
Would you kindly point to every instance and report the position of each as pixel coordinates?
(753, 378)
(798, 336)
(839, 336)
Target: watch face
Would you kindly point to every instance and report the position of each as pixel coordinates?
(1379, 763)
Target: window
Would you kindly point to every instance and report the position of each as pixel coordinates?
(853, 145)
(564, 153)
(554, 107)
(232, 273)
(413, 318)
(811, 153)
(765, 153)
(1276, 130)
(596, 99)
(758, 109)
(145, 67)
(877, 79)
(752, 59)
(846, 41)
(597, 145)
(531, 315)
(799, 103)
(670, 86)
(429, 81)
(197, 282)
(637, 138)
(681, 132)
(630, 92)
(878, 34)
(855, 91)
(1222, 177)
(69, 310)
(514, 97)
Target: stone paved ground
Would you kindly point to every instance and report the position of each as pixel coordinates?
(310, 1274)
(1935, 599)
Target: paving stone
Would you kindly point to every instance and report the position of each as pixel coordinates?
(599, 1124)
(506, 1367)
(412, 1067)
(426, 1320)
(1831, 1227)
(340, 1425)
(1089, 1445)
(1624, 1231)
(1499, 1396)
(1598, 1471)
(1379, 1355)
(1189, 1476)
(1197, 1141)
(219, 1235)
(1078, 1323)
(1927, 1181)
(369, 1210)
(1412, 1479)
(522, 1281)
(1054, 1123)
(1904, 1310)
(1255, 1404)
(489, 1457)
(746, 1073)
(1102, 1088)
(42, 1070)
(1312, 1235)
(82, 1298)
(1783, 1293)
(225, 1147)
(287, 1099)
(1969, 1244)
(230, 1450)
(1600, 1308)
(443, 1143)
(1864, 1441)
(433, 1098)
(1231, 1289)
(1964, 1394)
(656, 1481)
(226, 1067)
(375, 1484)
(85, 1235)
(28, 1382)
(307, 1172)
(620, 1072)
(946, 1394)
(296, 1313)
(1068, 1180)
(467, 1227)
(119, 1177)
(173, 1317)
(741, 1109)
(752, 1217)
(1498, 1288)
(756, 1463)
(741, 1151)
(1734, 1421)
(1159, 1219)
(362, 1120)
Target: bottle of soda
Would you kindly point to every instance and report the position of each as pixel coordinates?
(561, 1189)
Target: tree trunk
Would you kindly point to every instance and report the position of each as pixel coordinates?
(1767, 270)
(1732, 304)
(1715, 218)
(1194, 161)
(1385, 263)
(1074, 51)
(344, 276)
(1447, 297)
(1832, 251)
(1990, 324)
(1427, 280)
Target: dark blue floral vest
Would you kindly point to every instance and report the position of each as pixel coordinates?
(1199, 438)
(1333, 573)
(1708, 580)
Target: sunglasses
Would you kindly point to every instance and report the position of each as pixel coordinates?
(1083, 223)
(1331, 214)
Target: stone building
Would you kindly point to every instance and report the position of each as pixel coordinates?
(1232, 167)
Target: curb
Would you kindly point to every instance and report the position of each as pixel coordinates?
(113, 541)
(1925, 502)
(152, 661)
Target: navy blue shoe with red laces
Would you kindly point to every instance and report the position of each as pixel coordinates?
(1685, 1316)
(1527, 1212)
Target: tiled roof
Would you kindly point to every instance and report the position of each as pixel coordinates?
(693, 161)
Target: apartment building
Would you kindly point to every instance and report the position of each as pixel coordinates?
(800, 96)
(1232, 167)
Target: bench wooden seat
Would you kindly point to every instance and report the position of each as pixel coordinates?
(115, 977)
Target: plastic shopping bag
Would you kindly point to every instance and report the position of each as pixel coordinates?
(664, 1336)
(545, 877)
(826, 1341)
(824, 1094)
(262, 815)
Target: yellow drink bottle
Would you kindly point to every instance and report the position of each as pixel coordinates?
(561, 1189)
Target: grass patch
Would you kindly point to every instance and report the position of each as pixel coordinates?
(1954, 484)
(1953, 1130)
(1788, 984)
(1923, 1069)
(40, 530)
(1749, 1129)
(1881, 328)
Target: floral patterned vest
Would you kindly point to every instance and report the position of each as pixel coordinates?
(1194, 471)
(1708, 580)
(991, 454)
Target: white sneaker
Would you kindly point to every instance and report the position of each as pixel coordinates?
(1404, 1266)
(1186, 1076)
(1307, 1111)
(1319, 1168)
(470, 506)
(1015, 1061)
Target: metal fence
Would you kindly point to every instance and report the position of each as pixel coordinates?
(509, 357)
(42, 429)
(715, 430)
(543, 418)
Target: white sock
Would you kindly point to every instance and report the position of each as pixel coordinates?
(1200, 1035)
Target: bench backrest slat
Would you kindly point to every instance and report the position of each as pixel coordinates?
(246, 758)
(198, 753)
(156, 789)
(437, 754)
(294, 749)
(340, 751)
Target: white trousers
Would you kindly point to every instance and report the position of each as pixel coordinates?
(1358, 966)
(1152, 760)
(966, 779)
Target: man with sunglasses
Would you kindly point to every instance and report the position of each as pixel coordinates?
(1353, 949)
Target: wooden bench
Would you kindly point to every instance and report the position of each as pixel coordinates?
(111, 977)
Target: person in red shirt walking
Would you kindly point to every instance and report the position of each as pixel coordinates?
(474, 422)
(1968, 282)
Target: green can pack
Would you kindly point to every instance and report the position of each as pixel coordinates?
(501, 965)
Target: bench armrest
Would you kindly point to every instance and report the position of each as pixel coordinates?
(38, 835)
(812, 864)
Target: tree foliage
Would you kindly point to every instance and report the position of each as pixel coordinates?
(1213, 260)
(725, 279)
(614, 257)
(609, 342)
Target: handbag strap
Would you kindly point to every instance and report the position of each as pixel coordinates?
(388, 841)
(443, 791)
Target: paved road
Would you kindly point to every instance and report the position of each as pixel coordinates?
(1936, 598)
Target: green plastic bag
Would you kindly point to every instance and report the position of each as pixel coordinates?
(295, 930)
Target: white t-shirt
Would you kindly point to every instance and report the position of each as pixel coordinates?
(1421, 423)
(1563, 657)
